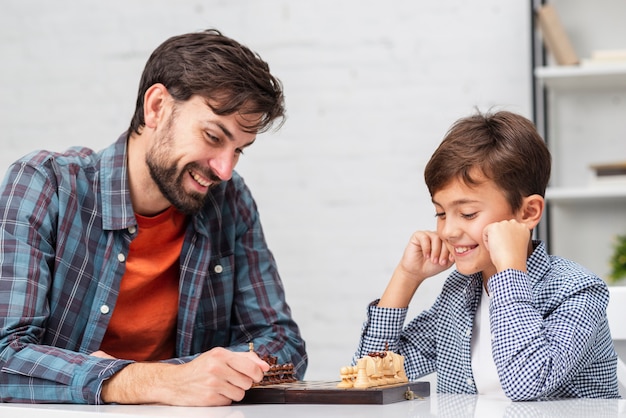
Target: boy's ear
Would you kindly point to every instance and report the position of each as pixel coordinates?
(532, 210)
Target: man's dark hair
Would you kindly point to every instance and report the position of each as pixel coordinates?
(231, 78)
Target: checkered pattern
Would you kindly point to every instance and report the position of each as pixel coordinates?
(550, 335)
(66, 222)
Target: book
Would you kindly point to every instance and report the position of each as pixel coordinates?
(554, 36)
(610, 173)
(610, 169)
(606, 57)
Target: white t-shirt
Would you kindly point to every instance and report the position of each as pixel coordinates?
(483, 367)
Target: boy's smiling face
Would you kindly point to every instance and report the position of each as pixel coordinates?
(463, 211)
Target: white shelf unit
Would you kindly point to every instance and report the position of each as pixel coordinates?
(581, 111)
(614, 194)
(582, 77)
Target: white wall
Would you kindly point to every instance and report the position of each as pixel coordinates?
(371, 89)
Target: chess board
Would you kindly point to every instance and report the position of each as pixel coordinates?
(327, 392)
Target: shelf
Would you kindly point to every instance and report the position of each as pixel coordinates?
(582, 76)
(598, 193)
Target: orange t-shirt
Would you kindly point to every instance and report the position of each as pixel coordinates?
(143, 323)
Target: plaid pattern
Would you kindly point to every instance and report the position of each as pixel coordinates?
(66, 222)
(550, 335)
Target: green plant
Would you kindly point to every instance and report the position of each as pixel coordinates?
(618, 259)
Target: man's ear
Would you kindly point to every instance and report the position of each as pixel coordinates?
(531, 210)
(154, 102)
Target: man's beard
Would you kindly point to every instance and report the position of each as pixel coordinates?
(169, 179)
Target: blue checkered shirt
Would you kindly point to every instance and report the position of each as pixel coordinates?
(66, 223)
(550, 335)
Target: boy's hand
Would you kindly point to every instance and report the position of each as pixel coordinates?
(424, 256)
(507, 243)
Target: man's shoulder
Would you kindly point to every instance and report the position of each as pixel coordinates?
(77, 156)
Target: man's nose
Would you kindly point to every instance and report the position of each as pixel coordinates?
(223, 165)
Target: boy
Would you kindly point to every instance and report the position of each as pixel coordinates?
(511, 320)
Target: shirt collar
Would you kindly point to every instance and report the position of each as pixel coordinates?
(117, 208)
(538, 264)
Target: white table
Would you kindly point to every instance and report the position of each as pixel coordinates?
(433, 406)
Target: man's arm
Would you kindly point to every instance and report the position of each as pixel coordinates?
(217, 377)
(261, 313)
(32, 368)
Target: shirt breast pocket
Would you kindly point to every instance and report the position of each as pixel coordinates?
(218, 294)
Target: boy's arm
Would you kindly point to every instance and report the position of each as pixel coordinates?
(424, 256)
(537, 349)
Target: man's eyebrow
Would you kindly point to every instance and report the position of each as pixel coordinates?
(225, 130)
(229, 134)
(249, 143)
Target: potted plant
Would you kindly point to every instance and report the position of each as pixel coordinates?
(618, 260)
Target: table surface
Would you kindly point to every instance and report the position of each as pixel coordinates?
(437, 405)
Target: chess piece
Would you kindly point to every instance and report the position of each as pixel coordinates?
(376, 369)
(346, 378)
(398, 362)
(366, 373)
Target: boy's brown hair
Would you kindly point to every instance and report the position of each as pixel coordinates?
(505, 147)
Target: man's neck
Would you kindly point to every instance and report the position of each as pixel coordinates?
(144, 193)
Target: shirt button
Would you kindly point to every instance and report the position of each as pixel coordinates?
(121, 257)
(470, 382)
(132, 229)
(468, 332)
(104, 309)
(218, 269)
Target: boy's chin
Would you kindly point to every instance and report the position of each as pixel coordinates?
(466, 270)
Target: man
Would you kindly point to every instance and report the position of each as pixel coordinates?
(140, 274)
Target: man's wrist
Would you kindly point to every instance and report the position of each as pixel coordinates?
(137, 383)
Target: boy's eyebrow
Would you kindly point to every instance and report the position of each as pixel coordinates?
(457, 202)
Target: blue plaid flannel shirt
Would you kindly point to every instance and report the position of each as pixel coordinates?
(66, 223)
(550, 335)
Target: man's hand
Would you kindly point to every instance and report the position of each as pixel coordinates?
(508, 244)
(216, 377)
(424, 256)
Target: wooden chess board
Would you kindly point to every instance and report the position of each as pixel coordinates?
(327, 392)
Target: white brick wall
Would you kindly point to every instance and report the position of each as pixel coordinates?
(371, 89)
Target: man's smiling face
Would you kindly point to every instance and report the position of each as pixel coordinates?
(194, 151)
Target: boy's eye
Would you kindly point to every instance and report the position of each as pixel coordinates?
(440, 215)
(468, 215)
